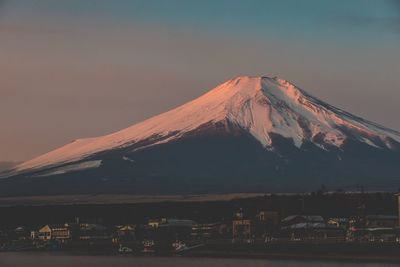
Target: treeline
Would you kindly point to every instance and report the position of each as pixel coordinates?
(326, 205)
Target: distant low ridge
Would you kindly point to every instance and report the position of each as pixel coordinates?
(7, 165)
(249, 134)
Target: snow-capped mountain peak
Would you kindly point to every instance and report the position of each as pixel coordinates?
(260, 105)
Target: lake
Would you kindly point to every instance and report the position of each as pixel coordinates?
(18, 259)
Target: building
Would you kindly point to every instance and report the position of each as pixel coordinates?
(175, 229)
(268, 216)
(206, 230)
(374, 228)
(90, 231)
(124, 233)
(178, 223)
(166, 229)
(309, 227)
(54, 232)
(381, 221)
(294, 221)
(156, 222)
(126, 230)
(374, 234)
(34, 235)
(266, 223)
(21, 233)
(338, 222)
(242, 229)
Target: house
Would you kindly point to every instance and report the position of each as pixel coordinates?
(156, 222)
(54, 232)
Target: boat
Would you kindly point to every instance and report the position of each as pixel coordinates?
(148, 246)
(124, 250)
(181, 246)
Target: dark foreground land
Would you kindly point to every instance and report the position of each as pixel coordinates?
(203, 210)
(117, 209)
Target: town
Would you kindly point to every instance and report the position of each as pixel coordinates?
(255, 230)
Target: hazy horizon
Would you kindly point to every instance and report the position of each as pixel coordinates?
(76, 69)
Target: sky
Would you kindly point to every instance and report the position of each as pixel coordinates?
(71, 69)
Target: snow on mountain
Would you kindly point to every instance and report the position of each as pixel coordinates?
(72, 168)
(260, 105)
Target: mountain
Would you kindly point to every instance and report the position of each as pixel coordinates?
(248, 134)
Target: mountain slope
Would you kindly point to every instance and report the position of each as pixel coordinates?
(284, 130)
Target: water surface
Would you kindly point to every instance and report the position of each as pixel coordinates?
(18, 259)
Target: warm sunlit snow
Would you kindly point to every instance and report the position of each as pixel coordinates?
(261, 105)
(72, 168)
